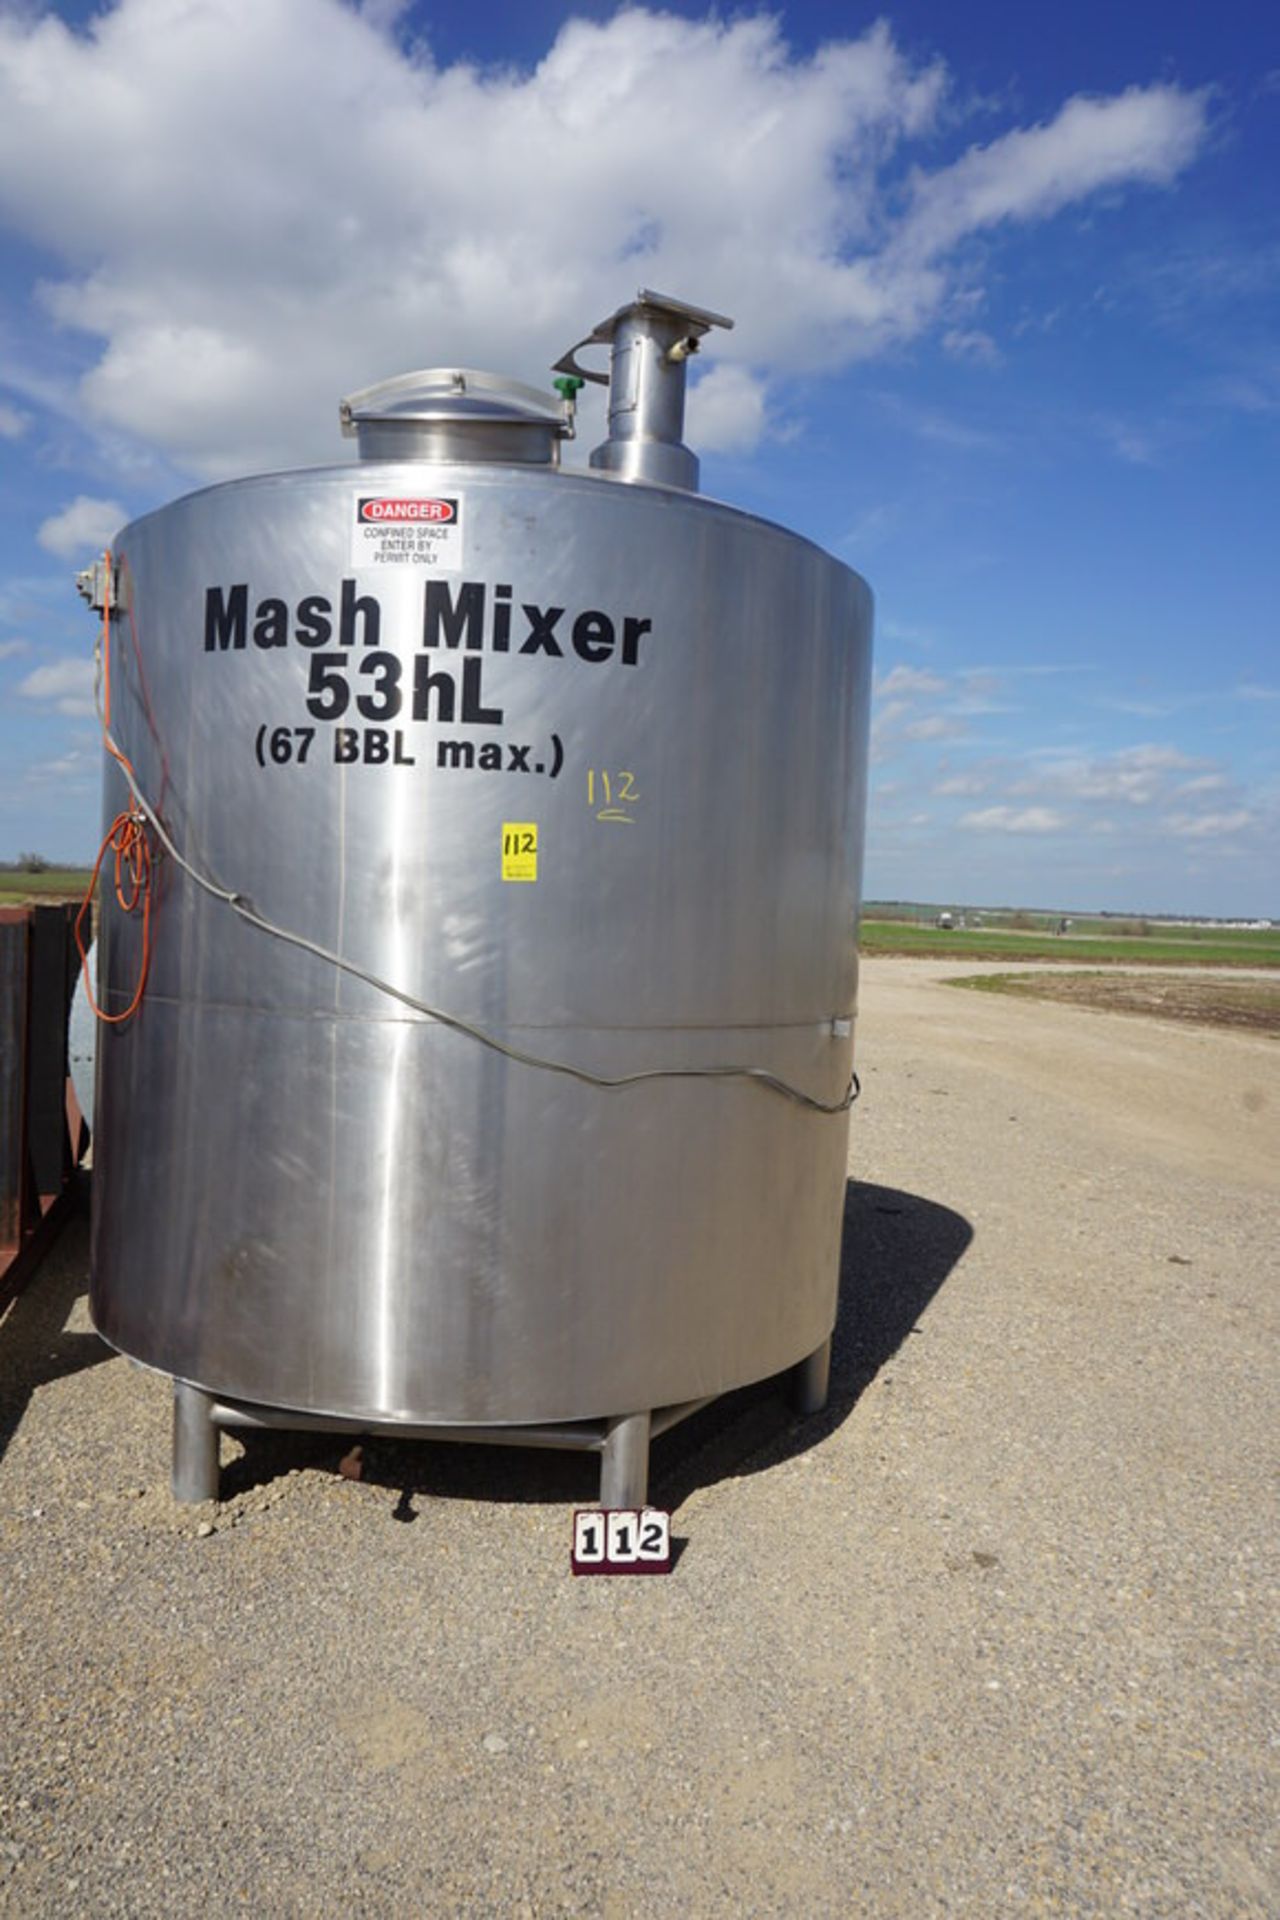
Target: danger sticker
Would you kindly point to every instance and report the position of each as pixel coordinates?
(407, 530)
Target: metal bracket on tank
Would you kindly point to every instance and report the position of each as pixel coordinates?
(100, 586)
(696, 320)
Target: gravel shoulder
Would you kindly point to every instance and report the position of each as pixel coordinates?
(994, 1635)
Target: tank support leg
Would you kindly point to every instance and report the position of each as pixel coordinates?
(810, 1378)
(624, 1461)
(195, 1445)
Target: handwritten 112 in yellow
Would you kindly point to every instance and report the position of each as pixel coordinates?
(610, 795)
(520, 850)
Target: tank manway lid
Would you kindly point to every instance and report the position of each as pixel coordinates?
(455, 413)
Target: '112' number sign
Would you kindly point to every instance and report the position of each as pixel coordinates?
(621, 1540)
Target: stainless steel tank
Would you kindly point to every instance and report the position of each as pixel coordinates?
(574, 759)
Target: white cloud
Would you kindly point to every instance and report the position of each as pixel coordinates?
(1238, 393)
(726, 411)
(913, 636)
(1138, 446)
(904, 681)
(971, 344)
(83, 525)
(1210, 826)
(869, 531)
(12, 423)
(963, 783)
(238, 272)
(1140, 709)
(934, 726)
(75, 768)
(67, 685)
(1138, 775)
(10, 649)
(1014, 820)
(1145, 133)
(1251, 690)
(1164, 794)
(932, 424)
(884, 726)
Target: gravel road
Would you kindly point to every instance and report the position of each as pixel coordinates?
(994, 1635)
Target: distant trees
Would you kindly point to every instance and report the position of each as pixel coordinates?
(32, 863)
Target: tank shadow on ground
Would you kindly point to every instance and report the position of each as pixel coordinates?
(897, 1251)
(35, 1347)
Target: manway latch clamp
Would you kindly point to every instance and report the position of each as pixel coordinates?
(99, 585)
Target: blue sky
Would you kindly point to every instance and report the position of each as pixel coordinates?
(1006, 283)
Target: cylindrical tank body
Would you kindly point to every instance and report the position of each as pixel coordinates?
(577, 761)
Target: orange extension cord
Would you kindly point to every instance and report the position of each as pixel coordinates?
(126, 839)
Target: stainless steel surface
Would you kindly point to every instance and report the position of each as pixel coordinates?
(195, 1445)
(811, 1379)
(650, 341)
(82, 1037)
(623, 1443)
(456, 413)
(563, 1436)
(624, 1468)
(308, 1198)
(15, 950)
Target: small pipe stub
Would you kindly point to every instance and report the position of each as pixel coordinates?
(651, 340)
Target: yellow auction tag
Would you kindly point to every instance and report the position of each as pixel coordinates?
(519, 849)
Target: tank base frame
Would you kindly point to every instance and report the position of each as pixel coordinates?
(622, 1442)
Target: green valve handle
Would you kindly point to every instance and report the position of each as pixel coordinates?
(568, 386)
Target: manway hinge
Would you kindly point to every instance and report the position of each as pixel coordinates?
(100, 585)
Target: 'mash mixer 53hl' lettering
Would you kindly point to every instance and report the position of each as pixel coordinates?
(407, 1130)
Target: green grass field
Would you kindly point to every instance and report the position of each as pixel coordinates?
(1090, 941)
(59, 883)
(1185, 947)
